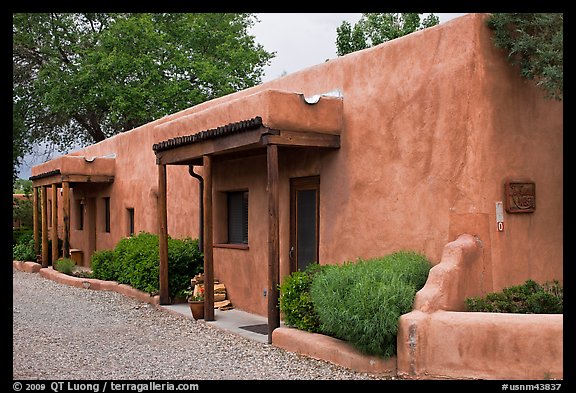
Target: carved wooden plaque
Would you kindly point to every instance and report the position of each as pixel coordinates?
(520, 197)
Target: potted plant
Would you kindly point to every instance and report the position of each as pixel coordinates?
(196, 302)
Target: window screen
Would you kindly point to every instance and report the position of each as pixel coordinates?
(107, 214)
(238, 217)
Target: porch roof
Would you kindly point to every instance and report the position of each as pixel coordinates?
(74, 169)
(277, 117)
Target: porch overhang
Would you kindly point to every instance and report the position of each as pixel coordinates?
(74, 169)
(252, 123)
(62, 172)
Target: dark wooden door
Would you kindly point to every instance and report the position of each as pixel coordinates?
(304, 221)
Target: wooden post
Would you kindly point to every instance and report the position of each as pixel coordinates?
(35, 225)
(66, 218)
(208, 243)
(273, 240)
(163, 235)
(44, 197)
(54, 231)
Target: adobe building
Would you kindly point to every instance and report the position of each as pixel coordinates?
(405, 145)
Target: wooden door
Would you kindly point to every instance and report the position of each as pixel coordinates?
(304, 221)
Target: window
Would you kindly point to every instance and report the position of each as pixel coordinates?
(130, 221)
(238, 217)
(80, 214)
(107, 214)
(49, 214)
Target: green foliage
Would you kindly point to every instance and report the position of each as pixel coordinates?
(22, 186)
(65, 266)
(375, 28)
(528, 298)
(79, 78)
(23, 250)
(535, 43)
(361, 302)
(135, 261)
(295, 302)
(184, 261)
(103, 266)
(22, 235)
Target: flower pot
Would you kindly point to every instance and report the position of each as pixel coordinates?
(197, 308)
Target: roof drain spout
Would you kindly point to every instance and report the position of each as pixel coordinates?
(200, 207)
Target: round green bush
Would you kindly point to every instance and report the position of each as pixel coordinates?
(65, 266)
(361, 302)
(295, 303)
(103, 266)
(135, 261)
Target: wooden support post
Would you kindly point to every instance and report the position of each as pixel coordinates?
(35, 223)
(45, 251)
(273, 240)
(208, 242)
(54, 231)
(163, 235)
(66, 218)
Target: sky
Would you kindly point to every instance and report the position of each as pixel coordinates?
(305, 39)
(300, 40)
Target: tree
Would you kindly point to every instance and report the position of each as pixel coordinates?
(375, 28)
(79, 78)
(534, 42)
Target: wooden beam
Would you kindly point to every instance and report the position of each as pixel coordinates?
(78, 178)
(66, 219)
(208, 242)
(163, 235)
(44, 197)
(73, 178)
(273, 239)
(35, 222)
(54, 231)
(183, 154)
(306, 139)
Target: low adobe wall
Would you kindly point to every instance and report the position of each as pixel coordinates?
(438, 341)
(333, 350)
(477, 345)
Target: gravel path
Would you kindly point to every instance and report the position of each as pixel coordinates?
(62, 333)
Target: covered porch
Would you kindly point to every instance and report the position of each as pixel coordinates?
(286, 121)
(64, 172)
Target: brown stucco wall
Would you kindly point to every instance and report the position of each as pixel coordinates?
(433, 124)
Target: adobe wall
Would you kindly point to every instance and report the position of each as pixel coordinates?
(504, 346)
(434, 123)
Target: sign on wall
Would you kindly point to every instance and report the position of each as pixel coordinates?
(520, 197)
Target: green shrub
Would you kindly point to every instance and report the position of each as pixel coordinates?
(527, 298)
(184, 261)
(135, 261)
(361, 302)
(65, 266)
(22, 235)
(24, 251)
(103, 266)
(295, 303)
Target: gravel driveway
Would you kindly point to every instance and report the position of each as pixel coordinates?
(62, 333)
